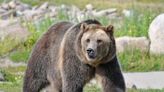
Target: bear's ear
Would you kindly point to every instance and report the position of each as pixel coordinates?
(84, 27)
(110, 29)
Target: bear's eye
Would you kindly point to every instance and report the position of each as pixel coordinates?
(88, 40)
(99, 41)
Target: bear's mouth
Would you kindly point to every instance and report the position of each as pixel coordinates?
(91, 55)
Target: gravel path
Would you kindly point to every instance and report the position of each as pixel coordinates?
(145, 80)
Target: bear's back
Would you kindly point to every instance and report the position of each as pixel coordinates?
(49, 43)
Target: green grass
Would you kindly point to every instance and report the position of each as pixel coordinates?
(136, 25)
(137, 61)
(12, 74)
(19, 55)
(8, 45)
(150, 1)
(149, 90)
(13, 79)
(10, 87)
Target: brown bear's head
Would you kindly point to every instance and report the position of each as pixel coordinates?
(97, 44)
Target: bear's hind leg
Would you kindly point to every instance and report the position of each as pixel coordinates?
(34, 85)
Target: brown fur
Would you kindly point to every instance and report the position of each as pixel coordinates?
(58, 60)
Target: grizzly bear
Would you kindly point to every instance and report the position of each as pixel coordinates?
(69, 55)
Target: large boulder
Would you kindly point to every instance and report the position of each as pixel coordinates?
(13, 29)
(131, 43)
(156, 35)
(6, 62)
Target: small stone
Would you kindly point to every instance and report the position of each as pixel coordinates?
(52, 8)
(22, 7)
(12, 4)
(2, 10)
(127, 13)
(105, 12)
(8, 14)
(44, 6)
(5, 6)
(1, 77)
(89, 7)
(5, 62)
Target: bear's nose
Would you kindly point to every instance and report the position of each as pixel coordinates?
(90, 50)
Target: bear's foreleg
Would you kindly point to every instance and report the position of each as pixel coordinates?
(111, 77)
(75, 75)
(72, 82)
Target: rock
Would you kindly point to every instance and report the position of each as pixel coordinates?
(74, 14)
(53, 11)
(19, 13)
(52, 14)
(80, 16)
(89, 7)
(5, 6)
(64, 8)
(14, 30)
(52, 8)
(5, 62)
(33, 14)
(104, 12)
(12, 4)
(8, 14)
(131, 43)
(127, 13)
(6, 23)
(1, 77)
(23, 7)
(17, 32)
(156, 35)
(44, 6)
(35, 7)
(114, 15)
(2, 11)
